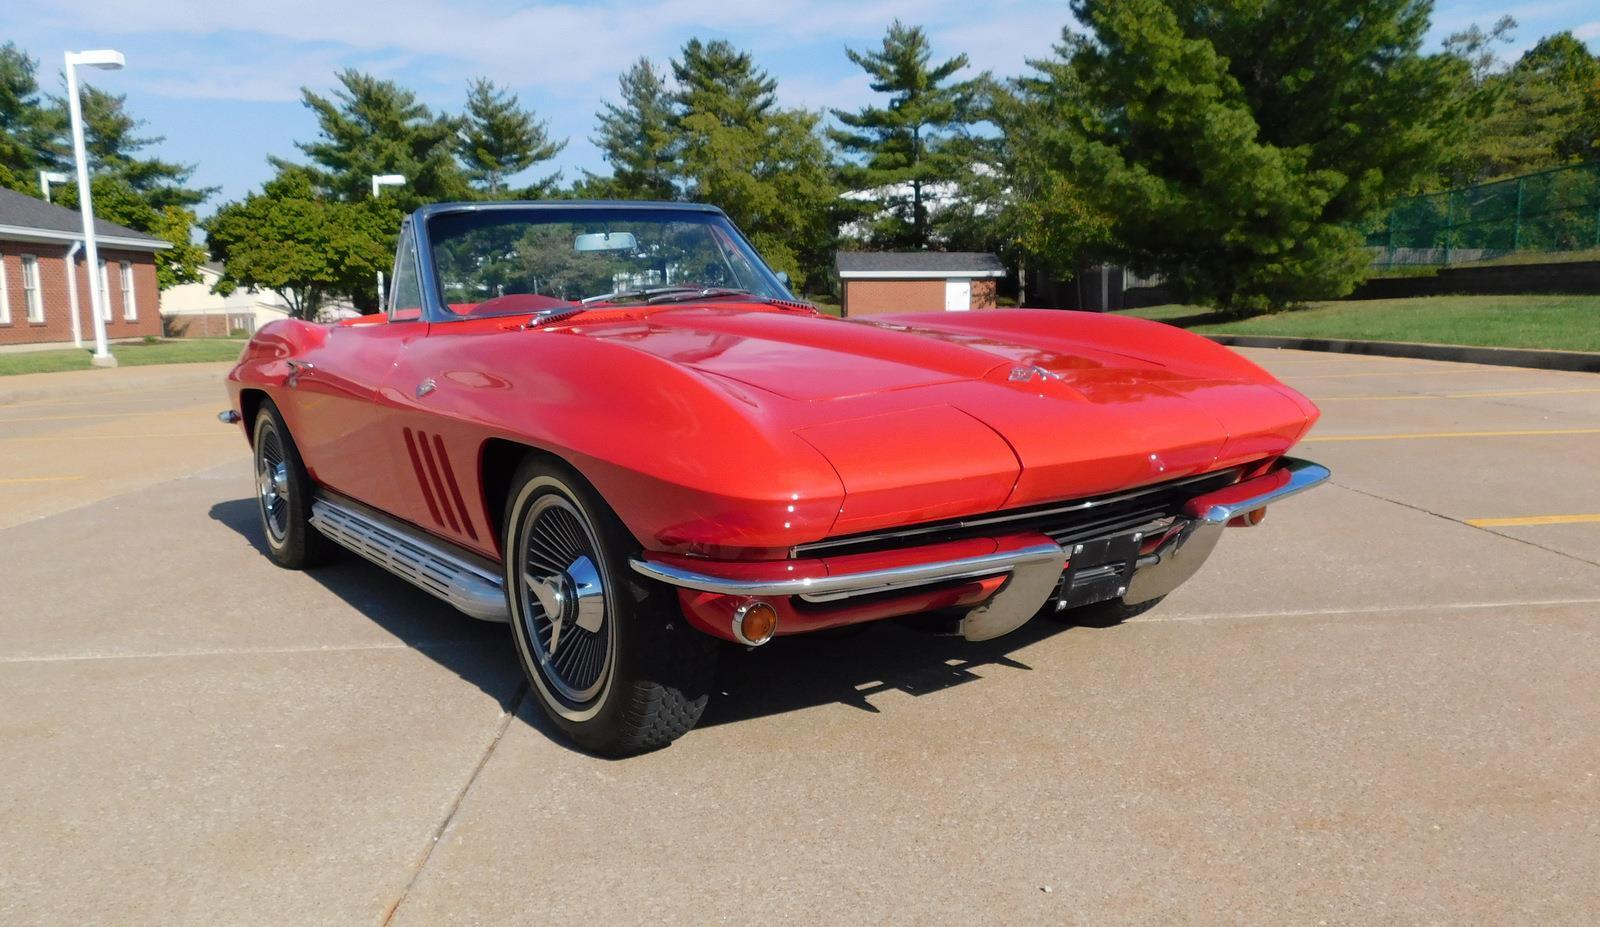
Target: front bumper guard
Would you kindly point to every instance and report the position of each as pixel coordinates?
(1034, 568)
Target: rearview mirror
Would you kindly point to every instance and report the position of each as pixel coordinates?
(605, 241)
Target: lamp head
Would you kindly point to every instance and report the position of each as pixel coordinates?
(53, 177)
(106, 59)
(388, 180)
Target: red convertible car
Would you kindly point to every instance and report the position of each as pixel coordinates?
(611, 425)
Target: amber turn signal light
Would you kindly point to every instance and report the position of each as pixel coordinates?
(1249, 519)
(754, 623)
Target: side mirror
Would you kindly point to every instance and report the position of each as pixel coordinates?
(783, 278)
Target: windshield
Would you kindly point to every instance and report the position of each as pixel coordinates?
(515, 261)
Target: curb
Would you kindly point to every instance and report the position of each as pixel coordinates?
(1540, 358)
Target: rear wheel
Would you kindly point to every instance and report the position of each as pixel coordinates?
(609, 656)
(283, 496)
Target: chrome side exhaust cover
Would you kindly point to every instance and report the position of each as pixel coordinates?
(470, 588)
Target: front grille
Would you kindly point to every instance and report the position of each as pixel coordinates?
(1065, 522)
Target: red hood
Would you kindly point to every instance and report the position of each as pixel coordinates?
(991, 409)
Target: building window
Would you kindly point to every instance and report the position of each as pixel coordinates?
(130, 308)
(30, 288)
(105, 293)
(5, 295)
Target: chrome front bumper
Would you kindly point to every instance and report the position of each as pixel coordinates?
(1034, 568)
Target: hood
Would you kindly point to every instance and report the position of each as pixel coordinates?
(930, 417)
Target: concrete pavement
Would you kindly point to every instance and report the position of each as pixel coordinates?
(1379, 706)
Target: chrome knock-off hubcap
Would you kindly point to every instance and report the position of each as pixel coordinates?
(564, 600)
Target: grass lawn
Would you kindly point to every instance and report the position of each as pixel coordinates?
(176, 351)
(1568, 323)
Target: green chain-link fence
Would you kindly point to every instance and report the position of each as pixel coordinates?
(1552, 210)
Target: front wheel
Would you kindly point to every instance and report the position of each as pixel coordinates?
(284, 495)
(608, 654)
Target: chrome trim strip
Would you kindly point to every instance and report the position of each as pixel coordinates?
(1303, 475)
(466, 586)
(833, 588)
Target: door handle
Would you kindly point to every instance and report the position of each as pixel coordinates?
(296, 368)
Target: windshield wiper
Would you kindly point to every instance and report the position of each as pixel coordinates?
(699, 293)
(666, 294)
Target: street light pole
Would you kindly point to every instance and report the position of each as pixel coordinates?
(378, 181)
(109, 60)
(46, 178)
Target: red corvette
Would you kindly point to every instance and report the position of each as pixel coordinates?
(612, 426)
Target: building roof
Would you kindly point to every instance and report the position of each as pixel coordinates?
(914, 265)
(27, 218)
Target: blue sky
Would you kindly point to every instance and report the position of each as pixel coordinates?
(220, 78)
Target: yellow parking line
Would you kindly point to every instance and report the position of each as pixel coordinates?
(1455, 434)
(1532, 520)
(8, 481)
(1491, 394)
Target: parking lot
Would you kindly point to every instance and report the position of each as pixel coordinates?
(1380, 706)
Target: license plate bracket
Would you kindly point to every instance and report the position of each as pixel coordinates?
(1098, 570)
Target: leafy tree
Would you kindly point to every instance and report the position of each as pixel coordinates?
(914, 142)
(372, 126)
(112, 142)
(29, 127)
(1237, 144)
(635, 137)
(116, 200)
(768, 168)
(302, 244)
(499, 139)
(1045, 219)
(1541, 111)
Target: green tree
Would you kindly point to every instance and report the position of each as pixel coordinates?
(1236, 145)
(371, 126)
(30, 128)
(302, 244)
(115, 200)
(1046, 221)
(1541, 111)
(768, 168)
(635, 137)
(921, 138)
(499, 139)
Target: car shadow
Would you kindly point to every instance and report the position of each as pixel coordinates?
(477, 651)
(790, 674)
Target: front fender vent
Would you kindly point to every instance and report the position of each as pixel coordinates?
(437, 480)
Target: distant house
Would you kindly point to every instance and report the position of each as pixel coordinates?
(38, 296)
(873, 282)
(191, 310)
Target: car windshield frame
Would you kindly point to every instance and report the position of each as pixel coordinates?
(427, 221)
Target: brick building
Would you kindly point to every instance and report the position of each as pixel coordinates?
(872, 282)
(37, 299)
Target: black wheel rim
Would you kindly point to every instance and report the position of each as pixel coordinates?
(565, 609)
(272, 482)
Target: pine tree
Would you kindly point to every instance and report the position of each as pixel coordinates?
(912, 143)
(29, 127)
(718, 81)
(768, 168)
(635, 137)
(1237, 145)
(371, 126)
(499, 139)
